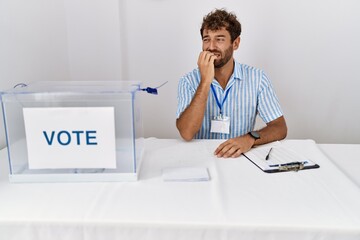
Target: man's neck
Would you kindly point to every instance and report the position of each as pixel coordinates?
(223, 74)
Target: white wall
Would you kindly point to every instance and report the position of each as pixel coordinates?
(43, 40)
(309, 49)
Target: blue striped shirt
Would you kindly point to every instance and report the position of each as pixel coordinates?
(250, 94)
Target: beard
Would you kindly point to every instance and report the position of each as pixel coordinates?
(219, 63)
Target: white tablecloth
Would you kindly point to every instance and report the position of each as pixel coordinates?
(239, 202)
(346, 157)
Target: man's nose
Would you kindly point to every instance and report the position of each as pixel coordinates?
(212, 45)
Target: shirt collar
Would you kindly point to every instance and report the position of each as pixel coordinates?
(238, 71)
(238, 74)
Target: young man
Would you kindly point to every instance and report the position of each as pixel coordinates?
(221, 98)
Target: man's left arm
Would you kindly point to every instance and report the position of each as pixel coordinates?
(234, 147)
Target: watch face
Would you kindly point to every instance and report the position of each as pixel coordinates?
(255, 134)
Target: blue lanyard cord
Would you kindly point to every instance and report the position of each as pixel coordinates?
(217, 100)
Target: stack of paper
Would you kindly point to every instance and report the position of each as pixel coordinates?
(185, 174)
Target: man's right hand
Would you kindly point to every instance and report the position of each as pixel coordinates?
(206, 66)
(191, 119)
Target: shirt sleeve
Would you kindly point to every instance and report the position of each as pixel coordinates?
(268, 103)
(185, 95)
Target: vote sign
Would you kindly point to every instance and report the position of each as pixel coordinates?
(73, 137)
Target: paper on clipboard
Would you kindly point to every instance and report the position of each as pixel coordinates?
(280, 158)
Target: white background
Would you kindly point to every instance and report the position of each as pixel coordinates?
(309, 49)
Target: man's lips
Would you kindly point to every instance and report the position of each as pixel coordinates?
(218, 55)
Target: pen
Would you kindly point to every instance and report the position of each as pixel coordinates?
(268, 155)
(288, 164)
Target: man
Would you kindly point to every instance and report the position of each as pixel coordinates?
(221, 98)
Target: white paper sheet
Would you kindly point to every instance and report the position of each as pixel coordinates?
(274, 155)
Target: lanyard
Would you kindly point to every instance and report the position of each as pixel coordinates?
(217, 100)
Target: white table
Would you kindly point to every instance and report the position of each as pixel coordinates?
(240, 201)
(346, 157)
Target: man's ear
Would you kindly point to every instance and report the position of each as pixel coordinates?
(236, 43)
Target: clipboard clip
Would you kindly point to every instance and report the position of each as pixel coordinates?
(296, 166)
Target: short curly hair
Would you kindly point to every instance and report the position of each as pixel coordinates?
(220, 18)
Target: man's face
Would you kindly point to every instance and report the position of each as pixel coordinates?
(219, 43)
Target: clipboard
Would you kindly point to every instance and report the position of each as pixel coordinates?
(279, 158)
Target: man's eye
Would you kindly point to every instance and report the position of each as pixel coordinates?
(205, 40)
(221, 39)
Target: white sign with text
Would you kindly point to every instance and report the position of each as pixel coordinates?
(70, 137)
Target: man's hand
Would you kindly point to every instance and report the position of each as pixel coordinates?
(206, 66)
(191, 119)
(234, 147)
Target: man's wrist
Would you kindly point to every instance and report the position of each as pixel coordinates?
(254, 135)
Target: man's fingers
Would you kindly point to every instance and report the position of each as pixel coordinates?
(209, 57)
(220, 147)
(232, 151)
(228, 149)
(212, 58)
(225, 149)
(206, 56)
(237, 153)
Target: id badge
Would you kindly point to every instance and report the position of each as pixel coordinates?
(220, 124)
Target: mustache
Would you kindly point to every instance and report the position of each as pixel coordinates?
(214, 51)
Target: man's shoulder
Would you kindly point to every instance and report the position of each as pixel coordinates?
(192, 77)
(247, 72)
(195, 73)
(247, 68)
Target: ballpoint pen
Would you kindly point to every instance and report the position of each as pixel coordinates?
(268, 155)
(288, 164)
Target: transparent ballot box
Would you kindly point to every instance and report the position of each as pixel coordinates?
(71, 131)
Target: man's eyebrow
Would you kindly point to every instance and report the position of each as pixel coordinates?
(220, 35)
